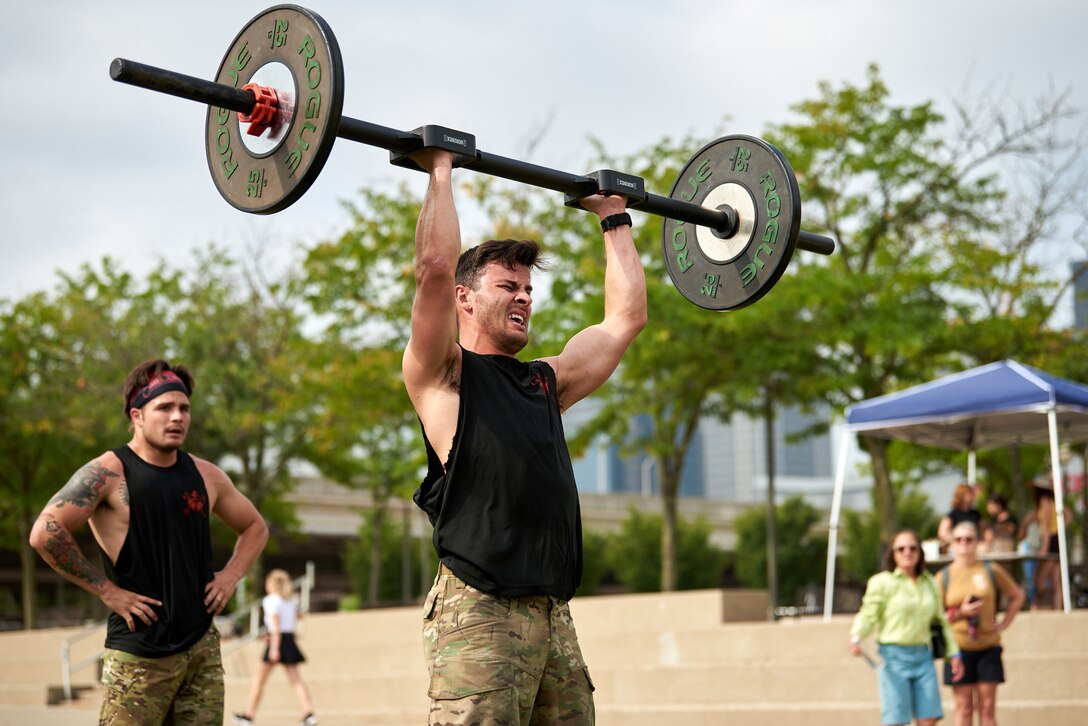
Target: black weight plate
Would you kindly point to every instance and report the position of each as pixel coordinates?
(754, 178)
(288, 45)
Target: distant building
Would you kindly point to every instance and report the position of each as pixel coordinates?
(726, 461)
(1080, 294)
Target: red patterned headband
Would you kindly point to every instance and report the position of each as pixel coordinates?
(160, 384)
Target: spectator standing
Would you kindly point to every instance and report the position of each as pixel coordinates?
(149, 505)
(1000, 533)
(1048, 574)
(971, 589)
(1028, 547)
(901, 602)
(963, 510)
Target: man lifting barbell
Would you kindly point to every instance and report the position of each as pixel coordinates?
(500, 490)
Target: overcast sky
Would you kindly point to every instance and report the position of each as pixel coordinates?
(96, 168)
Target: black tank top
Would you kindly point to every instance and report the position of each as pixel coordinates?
(505, 512)
(167, 555)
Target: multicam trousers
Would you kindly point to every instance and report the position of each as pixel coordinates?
(502, 661)
(185, 688)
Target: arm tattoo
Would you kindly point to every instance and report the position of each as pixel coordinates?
(82, 489)
(66, 557)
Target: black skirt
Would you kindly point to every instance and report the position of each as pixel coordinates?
(289, 652)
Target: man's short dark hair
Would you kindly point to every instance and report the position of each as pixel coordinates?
(507, 252)
(143, 373)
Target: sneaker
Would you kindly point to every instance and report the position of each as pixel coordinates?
(240, 719)
(308, 720)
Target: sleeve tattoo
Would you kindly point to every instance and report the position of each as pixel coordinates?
(66, 556)
(83, 488)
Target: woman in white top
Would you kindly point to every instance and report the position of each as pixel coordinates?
(280, 618)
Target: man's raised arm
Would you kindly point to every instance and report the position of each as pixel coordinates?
(432, 350)
(590, 357)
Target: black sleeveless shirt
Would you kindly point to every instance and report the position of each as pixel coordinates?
(167, 555)
(505, 512)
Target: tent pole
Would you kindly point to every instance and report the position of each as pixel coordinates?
(833, 528)
(1059, 503)
(972, 467)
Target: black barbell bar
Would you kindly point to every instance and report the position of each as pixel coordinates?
(722, 220)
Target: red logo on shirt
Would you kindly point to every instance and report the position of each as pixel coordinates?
(540, 382)
(194, 502)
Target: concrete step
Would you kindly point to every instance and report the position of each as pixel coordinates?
(23, 694)
(845, 713)
(394, 690)
(1028, 679)
(856, 712)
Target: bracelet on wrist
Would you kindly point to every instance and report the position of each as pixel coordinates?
(615, 220)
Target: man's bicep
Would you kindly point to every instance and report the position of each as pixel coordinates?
(587, 361)
(430, 358)
(234, 508)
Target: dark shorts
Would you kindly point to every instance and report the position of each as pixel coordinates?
(979, 666)
(289, 652)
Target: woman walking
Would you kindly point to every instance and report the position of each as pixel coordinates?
(280, 617)
(971, 590)
(901, 602)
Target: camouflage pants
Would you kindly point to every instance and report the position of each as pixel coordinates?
(502, 661)
(185, 688)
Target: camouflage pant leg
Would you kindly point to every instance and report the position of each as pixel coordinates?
(502, 661)
(200, 700)
(566, 691)
(183, 688)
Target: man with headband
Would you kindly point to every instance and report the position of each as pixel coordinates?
(148, 504)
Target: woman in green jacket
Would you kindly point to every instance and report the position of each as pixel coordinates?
(900, 603)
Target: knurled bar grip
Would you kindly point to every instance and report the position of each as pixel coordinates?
(235, 99)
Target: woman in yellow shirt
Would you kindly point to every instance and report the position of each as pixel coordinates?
(971, 589)
(900, 603)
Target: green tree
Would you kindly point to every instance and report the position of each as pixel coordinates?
(595, 565)
(241, 333)
(366, 435)
(634, 554)
(932, 272)
(801, 550)
(863, 546)
(358, 560)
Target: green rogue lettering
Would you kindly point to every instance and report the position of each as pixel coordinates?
(772, 203)
(313, 105)
(680, 244)
(241, 60)
(702, 173)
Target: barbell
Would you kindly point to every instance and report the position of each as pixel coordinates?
(731, 220)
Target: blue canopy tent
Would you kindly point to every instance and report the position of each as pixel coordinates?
(988, 407)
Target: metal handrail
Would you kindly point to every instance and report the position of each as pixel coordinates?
(252, 609)
(66, 656)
